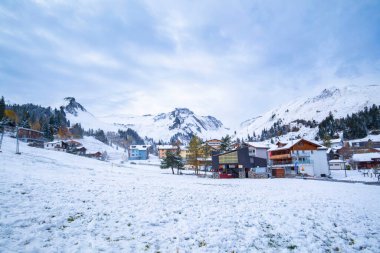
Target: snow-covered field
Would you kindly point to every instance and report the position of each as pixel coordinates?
(353, 175)
(57, 202)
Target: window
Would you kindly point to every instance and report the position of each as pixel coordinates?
(229, 158)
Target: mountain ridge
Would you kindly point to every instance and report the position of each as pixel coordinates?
(338, 101)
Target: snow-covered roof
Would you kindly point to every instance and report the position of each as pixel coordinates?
(166, 147)
(258, 145)
(292, 143)
(29, 129)
(366, 157)
(53, 142)
(336, 161)
(139, 147)
(369, 137)
(335, 141)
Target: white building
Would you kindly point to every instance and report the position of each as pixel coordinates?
(336, 164)
(56, 145)
(298, 157)
(258, 150)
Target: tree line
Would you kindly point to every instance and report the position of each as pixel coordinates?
(355, 126)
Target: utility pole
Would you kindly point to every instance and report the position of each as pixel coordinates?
(344, 164)
(1, 138)
(17, 143)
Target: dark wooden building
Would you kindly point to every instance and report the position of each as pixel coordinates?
(231, 163)
(28, 135)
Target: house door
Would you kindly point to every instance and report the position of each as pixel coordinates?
(278, 173)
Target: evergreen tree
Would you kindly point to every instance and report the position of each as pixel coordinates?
(100, 136)
(48, 131)
(77, 131)
(225, 144)
(2, 108)
(172, 160)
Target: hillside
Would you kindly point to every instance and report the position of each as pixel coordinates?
(338, 101)
(181, 123)
(76, 113)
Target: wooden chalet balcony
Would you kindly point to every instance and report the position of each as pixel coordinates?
(280, 157)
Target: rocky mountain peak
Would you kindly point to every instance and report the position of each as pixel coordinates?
(72, 106)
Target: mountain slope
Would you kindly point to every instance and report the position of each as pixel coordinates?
(338, 101)
(76, 113)
(180, 122)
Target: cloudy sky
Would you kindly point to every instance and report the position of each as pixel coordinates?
(230, 59)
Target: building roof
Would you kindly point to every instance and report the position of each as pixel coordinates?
(74, 142)
(214, 140)
(139, 147)
(335, 141)
(29, 129)
(166, 147)
(258, 145)
(366, 157)
(292, 143)
(229, 151)
(372, 137)
(53, 142)
(336, 161)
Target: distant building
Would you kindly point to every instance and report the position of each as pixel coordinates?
(298, 157)
(30, 135)
(332, 154)
(371, 141)
(336, 143)
(214, 144)
(162, 149)
(184, 153)
(337, 164)
(365, 161)
(138, 152)
(258, 150)
(56, 145)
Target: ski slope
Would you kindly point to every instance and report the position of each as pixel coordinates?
(56, 202)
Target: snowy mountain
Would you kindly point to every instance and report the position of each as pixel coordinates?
(76, 113)
(73, 106)
(338, 101)
(181, 123)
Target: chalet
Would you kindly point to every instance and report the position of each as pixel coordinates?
(56, 145)
(236, 163)
(162, 149)
(73, 144)
(298, 157)
(29, 135)
(78, 150)
(96, 155)
(347, 152)
(371, 141)
(138, 152)
(365, 161)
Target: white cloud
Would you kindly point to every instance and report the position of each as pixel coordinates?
(231, 59)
